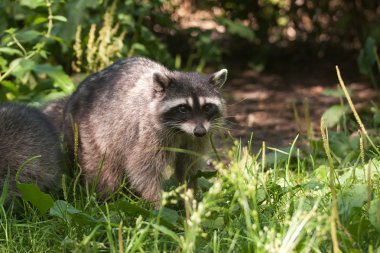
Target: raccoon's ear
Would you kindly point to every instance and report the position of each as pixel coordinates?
(219, 78)
(161, 82)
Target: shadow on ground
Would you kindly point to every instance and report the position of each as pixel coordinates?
(262, 103)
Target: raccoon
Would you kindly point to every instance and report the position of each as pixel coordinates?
(54, 111)
(25, 133)
(130, 113)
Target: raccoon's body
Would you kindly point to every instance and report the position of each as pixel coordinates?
(129, 112)
(54, 111)
(26, 133)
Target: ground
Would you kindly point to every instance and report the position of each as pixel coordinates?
(262, 103)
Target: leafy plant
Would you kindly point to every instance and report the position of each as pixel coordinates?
(367, 60)
(244, 208)
(237, 29)
(24, 73)
(102, 48)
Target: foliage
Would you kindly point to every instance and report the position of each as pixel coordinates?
(102, 47)
(25, 74)
(283, 201)
(44, 42)
(36, 53)
(266, 201)
(296, 27)
(252, 205)
(368, 59)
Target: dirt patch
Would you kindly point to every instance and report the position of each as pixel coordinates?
(262, 103)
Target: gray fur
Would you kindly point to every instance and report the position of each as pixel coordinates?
(24, 133)
(54, 111)
(117, 111)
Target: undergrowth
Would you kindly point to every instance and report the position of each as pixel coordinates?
(322, 198)
(270, 200)
(316, 199)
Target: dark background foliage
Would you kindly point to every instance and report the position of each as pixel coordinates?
(181, 34)
(48, 46)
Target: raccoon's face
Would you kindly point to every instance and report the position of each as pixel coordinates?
(191, 102)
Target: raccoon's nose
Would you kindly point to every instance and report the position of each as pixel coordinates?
(200, 131)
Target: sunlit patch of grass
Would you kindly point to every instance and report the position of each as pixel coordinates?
(242, 209)
(270, 200)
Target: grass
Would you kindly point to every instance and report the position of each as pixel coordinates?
(323, 198)
(286, 207)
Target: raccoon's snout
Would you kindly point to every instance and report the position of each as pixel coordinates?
(195, 129)
(200, 131)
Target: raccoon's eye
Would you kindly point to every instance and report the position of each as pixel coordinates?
(208, 107)
(184, 108)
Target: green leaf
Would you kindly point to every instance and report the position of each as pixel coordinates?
(21, 67)
(28, 36)
(59, 77)
(169, 215)
(354, 197)
(341, 144)
(11, 30)
(129, 208)
(313, 185)
(10, 86)
(237, 28)
(60, 18)
(43, 54)
(376, 117)
(333, 115)
(167, 232)
(33, 194)
(261, 195)
(67, 212)
(278, 155)
(61, 209)
(217, 223)
(138, 48)
(39, 20)
(32, 4)
(10, 51)
(77, 13)
(58, 39)
(322, 172)
(4, 189)
(203, 183)
(53, 95)
(367, 57)
(335, 92)
(374, 214)
(127, 20)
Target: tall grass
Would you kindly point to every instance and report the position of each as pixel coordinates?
(244, 208)
(270, 200)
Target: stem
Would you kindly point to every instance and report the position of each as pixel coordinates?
(33, 53)
(334, 218)
(50, 18)
(377, 58)
(19, 44)
(214, 148)
(361, 125)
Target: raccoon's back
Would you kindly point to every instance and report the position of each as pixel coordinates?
(123, 80)
(26, 133)
(54, 111)
(105, 101)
